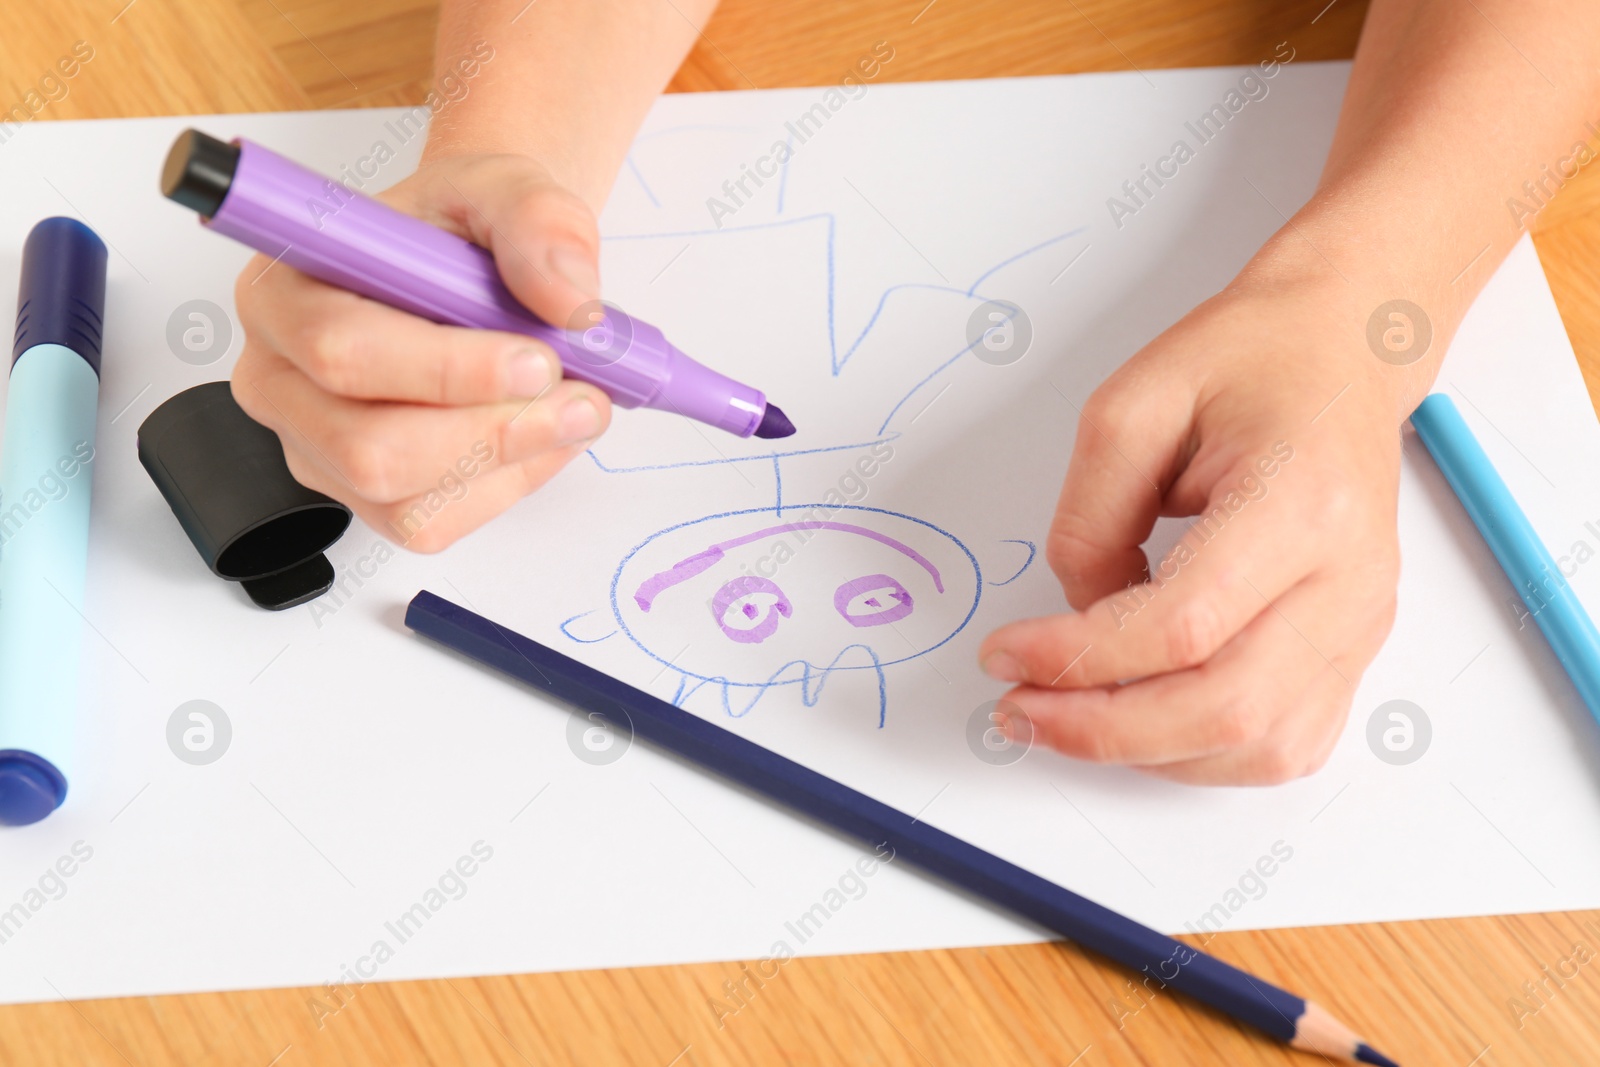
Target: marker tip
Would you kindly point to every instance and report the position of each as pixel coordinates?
(774, 423)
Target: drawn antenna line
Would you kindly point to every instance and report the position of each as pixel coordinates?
(836, 359)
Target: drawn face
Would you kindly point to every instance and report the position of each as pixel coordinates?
(756, 598)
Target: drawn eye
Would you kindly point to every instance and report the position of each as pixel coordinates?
(872, 601)
(747, 609)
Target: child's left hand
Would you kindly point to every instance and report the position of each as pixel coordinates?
(1234, 659)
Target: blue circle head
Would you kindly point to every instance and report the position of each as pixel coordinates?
(752, 599)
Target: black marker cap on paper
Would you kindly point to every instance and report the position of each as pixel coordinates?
(224, 476)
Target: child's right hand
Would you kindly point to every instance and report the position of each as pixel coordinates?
(427, 431)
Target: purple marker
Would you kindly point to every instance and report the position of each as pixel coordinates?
(331, 232)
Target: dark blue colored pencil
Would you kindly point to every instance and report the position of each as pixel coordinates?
(1169, 962)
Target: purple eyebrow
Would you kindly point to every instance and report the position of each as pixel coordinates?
(686, 568)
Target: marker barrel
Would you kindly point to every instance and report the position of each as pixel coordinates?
(332, 232)
(1550, 599)
(46, 474)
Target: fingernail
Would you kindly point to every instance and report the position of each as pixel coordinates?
(1002, 667)
(580, 420)
(1014, 723)
(576, 267)
(530, 373)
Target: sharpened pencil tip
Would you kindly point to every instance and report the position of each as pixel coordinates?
(1365, 1053)
(774, 423)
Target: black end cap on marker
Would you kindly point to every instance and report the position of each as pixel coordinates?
(224, 476)
(199, 171)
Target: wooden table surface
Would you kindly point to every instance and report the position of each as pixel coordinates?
(1425, 992)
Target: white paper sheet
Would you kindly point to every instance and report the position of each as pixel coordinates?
(364, 763)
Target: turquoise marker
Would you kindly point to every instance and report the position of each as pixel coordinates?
(46, 469)
(1544, 589)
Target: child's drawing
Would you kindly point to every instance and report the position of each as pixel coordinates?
(744, 602)
(761, 598)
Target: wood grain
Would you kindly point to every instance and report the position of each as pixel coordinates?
(1427, 992)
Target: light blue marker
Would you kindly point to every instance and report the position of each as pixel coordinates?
(1544, 589)
(46, 470)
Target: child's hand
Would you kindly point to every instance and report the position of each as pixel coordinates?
(428, 431)
(1264, 413)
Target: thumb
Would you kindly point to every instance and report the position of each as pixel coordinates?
(544, 239)
(547, 248)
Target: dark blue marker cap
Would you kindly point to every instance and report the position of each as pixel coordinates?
(30, 787)
(63, 296)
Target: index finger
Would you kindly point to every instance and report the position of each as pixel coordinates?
(1226, 569)
(1130, 433)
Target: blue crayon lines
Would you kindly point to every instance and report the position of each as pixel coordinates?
(783, 626)
(838, 359)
